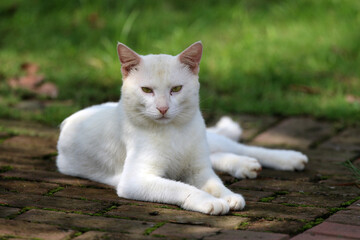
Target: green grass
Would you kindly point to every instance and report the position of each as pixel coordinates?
(354, 170)
(280, 57)
(151, 229)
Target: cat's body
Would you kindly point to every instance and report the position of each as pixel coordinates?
(153, 144)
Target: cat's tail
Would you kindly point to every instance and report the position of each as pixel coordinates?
(228, 128)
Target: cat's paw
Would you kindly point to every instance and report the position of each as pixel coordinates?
(288, 160)
(235, 201)
(206, 203)
(246, 167)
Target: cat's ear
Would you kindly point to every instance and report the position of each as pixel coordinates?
(128, 58)
(192, 56)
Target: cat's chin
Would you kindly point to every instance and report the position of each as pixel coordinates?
(163, 120)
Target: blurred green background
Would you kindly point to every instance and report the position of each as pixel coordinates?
(280, 57)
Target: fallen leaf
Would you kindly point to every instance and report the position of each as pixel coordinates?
(47, 89)
(33, 81)
(305, 89)
(95, 21)
(352, 99)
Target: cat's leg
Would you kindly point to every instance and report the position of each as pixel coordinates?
(138, 184)
(236, 165)
(206, 180)
(272, 158)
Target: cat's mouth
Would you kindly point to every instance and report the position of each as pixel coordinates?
(163, 119)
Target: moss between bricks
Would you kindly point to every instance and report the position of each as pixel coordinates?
(332, 211)
(49, 156)
(242, 226)
(266, 199)
(150, 230)
(168, 207)
(273, 196)
(78, 234)
(296, 205)
(23, 210)
(348, 203)
(107, 210)
(312, 224)
(52, 191)
(159, 235)
(6, 237)
(5, 168)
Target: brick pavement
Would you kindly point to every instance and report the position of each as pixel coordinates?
(322, 202)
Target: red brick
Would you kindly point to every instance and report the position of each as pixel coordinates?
(294, 186)
(270, 210)
(58, 203)
(8, 211)
(27, 186)
(33, 230)
(328, 155)
(355, 205)
(246, 235)
(32, 146)
(53, 177)
(295, 132)
(253, 196)
(336, 229)
(89, 193)
(156, 214)
(275, 225)
(91, 235)
(253, 125)
(85, 221)
(185, 231)
(29, 163)
(311, 199)
(108, 195)
(348, 140)
(350, 217)
(313, 236)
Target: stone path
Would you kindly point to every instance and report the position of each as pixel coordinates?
(322, 202)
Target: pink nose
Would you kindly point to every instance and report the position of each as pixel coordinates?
(162, 110)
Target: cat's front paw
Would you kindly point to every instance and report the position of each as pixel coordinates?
(235, 201)
(206, 203)
(289, 160)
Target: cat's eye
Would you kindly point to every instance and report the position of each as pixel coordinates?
(176, 89)
(147, 90)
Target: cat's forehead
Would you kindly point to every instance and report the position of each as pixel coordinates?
(160, 67)
(158, 61)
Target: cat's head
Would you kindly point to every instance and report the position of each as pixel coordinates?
(160, 88)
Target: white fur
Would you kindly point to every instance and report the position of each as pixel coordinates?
(149, 156)
(220, 142)
(227, 127)
(146, 155)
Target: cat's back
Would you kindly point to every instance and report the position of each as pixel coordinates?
(90, 124)
(87, 115)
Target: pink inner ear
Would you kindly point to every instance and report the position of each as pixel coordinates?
(128, 58)
(192, 56)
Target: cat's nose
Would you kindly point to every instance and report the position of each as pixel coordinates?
(162, 110)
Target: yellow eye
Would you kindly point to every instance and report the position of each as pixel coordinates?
(176, 89)
(147, 90)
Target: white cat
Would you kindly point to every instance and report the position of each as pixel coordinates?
(153, 145)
